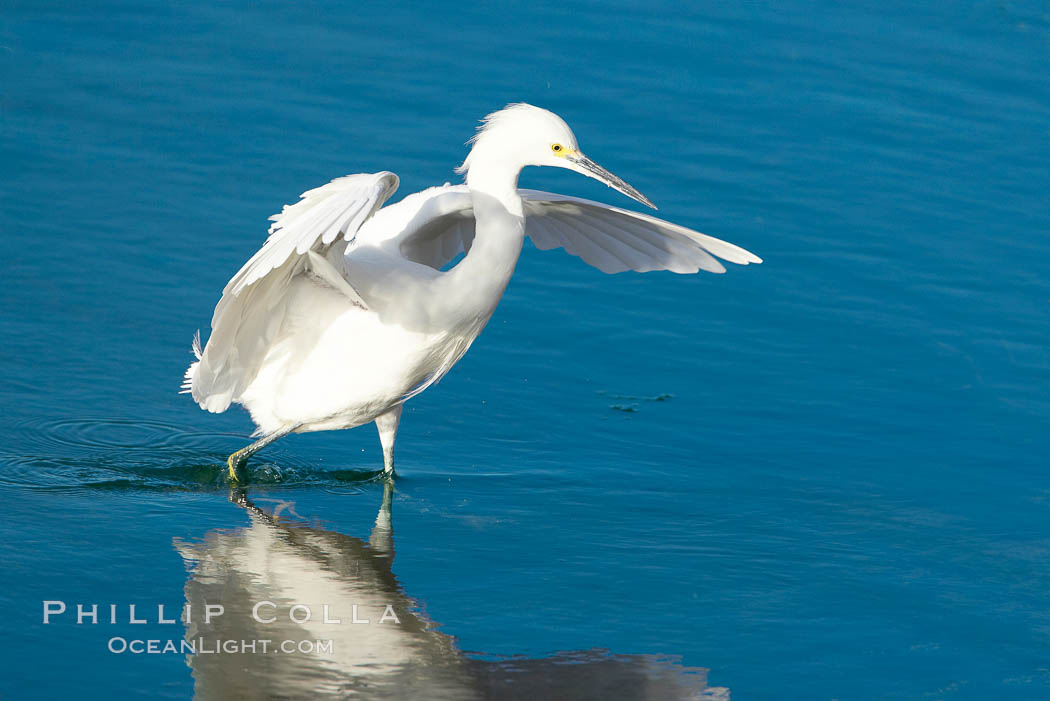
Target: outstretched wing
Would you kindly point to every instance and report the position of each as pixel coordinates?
(614, 240)
(250, 311)
(609, 238)
(335, 210)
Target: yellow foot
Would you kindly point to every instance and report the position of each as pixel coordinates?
(231, 463)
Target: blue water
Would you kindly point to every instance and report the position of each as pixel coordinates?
(819, 478)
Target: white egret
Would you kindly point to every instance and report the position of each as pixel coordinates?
(345, 312)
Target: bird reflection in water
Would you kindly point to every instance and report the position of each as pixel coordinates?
(287, 571)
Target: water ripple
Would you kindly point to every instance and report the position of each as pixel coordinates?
(117, 454)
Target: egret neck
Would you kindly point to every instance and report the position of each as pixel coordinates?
(499, 232)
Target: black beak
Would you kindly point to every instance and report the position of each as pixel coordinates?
(591, 169)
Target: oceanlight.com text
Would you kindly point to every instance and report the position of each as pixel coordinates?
(202, 646)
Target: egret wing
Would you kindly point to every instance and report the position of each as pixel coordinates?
(322, 215)
(440, 225)
(614, 240)
(430, 227)
(250, 312)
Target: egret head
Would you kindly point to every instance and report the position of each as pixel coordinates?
(522, 135)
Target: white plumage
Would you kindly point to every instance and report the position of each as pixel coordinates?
(345, 312)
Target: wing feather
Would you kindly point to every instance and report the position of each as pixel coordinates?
(636, 252)
(299, 227)
(600, 254)
(599, 234)
(681, 255)
(250, 312)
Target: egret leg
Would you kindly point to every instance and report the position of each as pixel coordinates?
(241, 456)
(387, 425)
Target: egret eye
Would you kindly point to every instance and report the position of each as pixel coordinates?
(556, 148)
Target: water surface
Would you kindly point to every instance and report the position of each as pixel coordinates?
(822, 477)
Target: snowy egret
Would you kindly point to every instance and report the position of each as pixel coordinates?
(345, 312)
